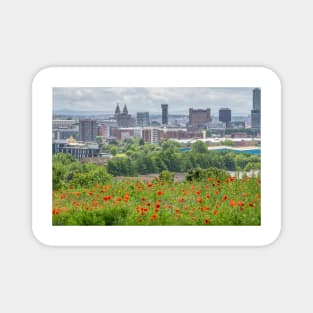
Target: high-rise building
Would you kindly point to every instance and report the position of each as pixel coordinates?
(143, 119)
(224, 115)
(87, 130)
(199, 118)
(256, 109)
(164, 114)
(257, 99)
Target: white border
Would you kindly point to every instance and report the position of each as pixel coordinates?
(261, 77)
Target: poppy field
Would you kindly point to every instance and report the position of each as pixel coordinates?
(213, 201)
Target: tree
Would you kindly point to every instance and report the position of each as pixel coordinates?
(63, 158)
(99, 140)
(113, 150)
(199, 147)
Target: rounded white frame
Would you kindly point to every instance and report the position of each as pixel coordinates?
(48, 78)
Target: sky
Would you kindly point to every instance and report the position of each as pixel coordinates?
(179, 100)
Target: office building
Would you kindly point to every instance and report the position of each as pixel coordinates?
(224, 115)
(257, 99)
(87, 130)
(164, 114)
(143, 119)
(256, 109)
(199, 118)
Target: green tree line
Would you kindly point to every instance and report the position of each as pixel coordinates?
(146, 159)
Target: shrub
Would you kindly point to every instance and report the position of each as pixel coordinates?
(167, 176)
(198, 174)
(97, 176)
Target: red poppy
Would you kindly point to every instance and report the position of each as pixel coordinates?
(224, 198)
(157, 205)
(153, 217)
(206, 221)
(56, 211)
(160, 193)
(199, 200)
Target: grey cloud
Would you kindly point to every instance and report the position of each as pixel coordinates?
(150, 99)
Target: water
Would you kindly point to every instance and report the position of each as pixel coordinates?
(248, 151)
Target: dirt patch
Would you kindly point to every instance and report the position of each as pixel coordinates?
(148, 177)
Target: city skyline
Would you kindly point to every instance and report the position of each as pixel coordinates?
(141, 99)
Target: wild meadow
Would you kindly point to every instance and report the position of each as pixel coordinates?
(231, 201)
(89, 194)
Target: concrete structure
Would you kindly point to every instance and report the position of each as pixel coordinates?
(77, 149)
(64, 129)
(224, 115)
(63, 124)
(257, 99)
(143, 119)
(63, 134)
(199, 118)
(105, 126)
(256, 119)
(87, 130)
(156, 134)
(256, 109)
(125, 133)
(238, 124)
(151, 135)
(173, 133)
(164, 114)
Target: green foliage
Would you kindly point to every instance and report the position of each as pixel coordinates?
(113, 149)
(67, 171)
(167, 176)
(227, 142)
(198, 174)
(99, 140)
(199, 147)
(58, 172)
(145, 159)
(155, 159)
(95, 175)
(63, 158)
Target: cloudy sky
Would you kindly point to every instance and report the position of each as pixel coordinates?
(239, 100)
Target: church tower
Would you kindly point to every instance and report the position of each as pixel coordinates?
(117, 110)
(125, 109)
